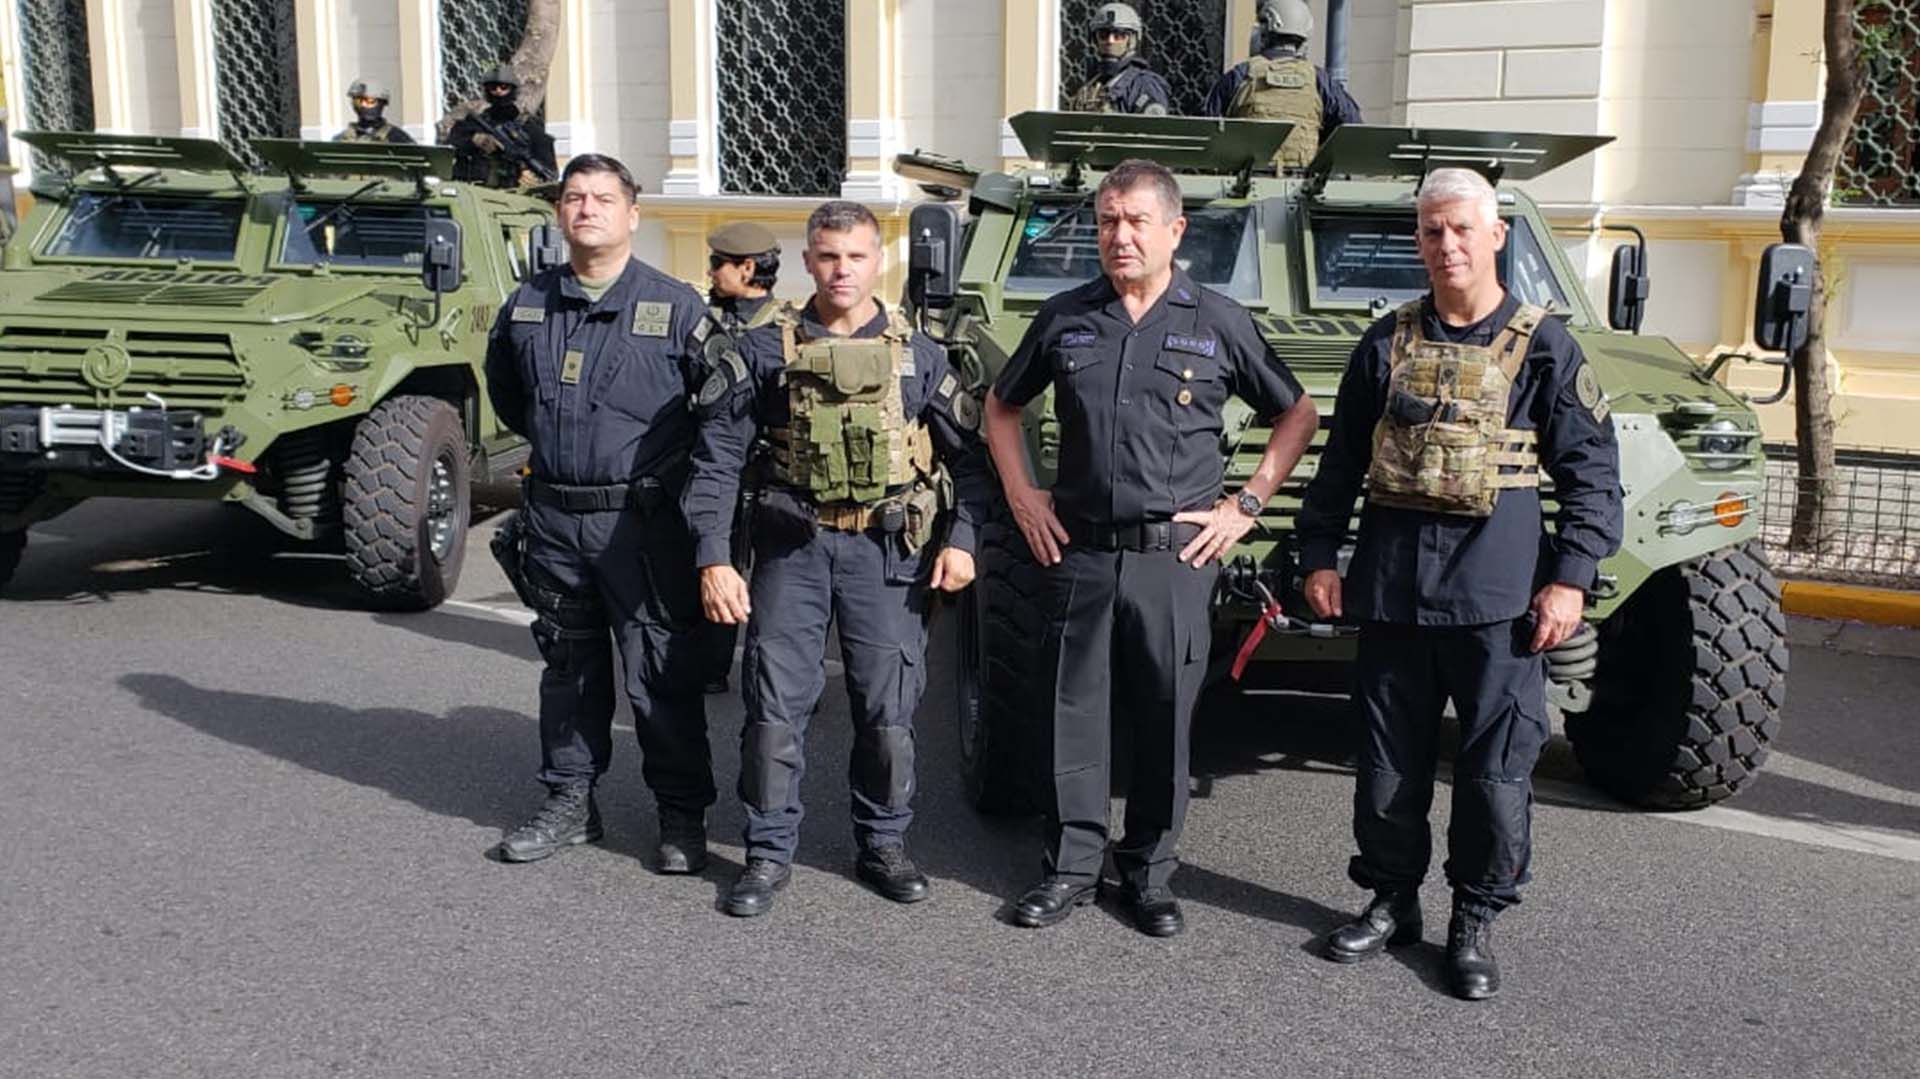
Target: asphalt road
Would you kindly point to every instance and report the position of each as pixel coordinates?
(243, 833)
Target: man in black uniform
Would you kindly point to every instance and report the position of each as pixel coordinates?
(496, 144)
(1455, 582)
(1118, 80)
(1141, 361)
(856, 407)
(743, 265)
(1281, 83)
(591, 362)
(370, 100)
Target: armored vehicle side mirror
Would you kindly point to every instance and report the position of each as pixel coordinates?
(546, 248)
(1782, 312)
(1630, 286)
(440, 263)
(933, 256)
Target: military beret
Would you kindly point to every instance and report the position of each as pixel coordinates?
(742, 239)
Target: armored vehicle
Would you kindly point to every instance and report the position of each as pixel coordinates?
(306, 341)
(1670, 701)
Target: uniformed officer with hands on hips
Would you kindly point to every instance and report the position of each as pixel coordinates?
(1141, 361)
(743, 265)
(593, 363)
(1450, 410)
(849, 502)
(1281, 83)
(1118, 79)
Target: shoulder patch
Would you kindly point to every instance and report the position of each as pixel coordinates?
(700, 331)
(652, 319)
(528, 314)
(1587, 387)
(966, 411)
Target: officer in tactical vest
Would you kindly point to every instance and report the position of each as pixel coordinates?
(849, 505)
(496, 144)
(1451, 410)
(1118, 80)
(370, 100)
(1280, 83)
(743, 265)
(1141, 361)
(594, 363)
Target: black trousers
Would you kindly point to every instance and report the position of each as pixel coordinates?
(1128, 644)
(1405, 675)
(625, 579)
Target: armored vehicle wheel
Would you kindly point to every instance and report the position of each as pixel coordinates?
(1691, 680)
(13, 545)
(1000, 634)
(406, 502)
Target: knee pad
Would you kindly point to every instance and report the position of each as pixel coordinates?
(770, 761)
(883, 763)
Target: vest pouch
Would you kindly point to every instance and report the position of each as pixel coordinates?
(820, 454)
(860, 369)
(923, 511)
(867, 452)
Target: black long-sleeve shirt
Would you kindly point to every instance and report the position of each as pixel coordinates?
(760, 401)
(1437, 569)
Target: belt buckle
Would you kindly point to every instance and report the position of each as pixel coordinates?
(1156, 535)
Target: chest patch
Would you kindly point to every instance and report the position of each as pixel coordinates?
(571, 366)
(652, 319)
(1197, 346)
(1078, 338)
(528, 314)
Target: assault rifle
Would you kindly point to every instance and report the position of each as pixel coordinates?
(516, 147)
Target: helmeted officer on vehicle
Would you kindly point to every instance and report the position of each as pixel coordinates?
(1118, 78)
(1141, 361)
(849, 504)
(1450, 410)
(496, 143)
(370, 100)
(593, 363)
(1281, 83)
(743, 265)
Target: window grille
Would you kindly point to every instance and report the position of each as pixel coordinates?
(1185, 41)
(58, 74)
(475, 36)
(256, 72)
(782, 89)
(1881, 164)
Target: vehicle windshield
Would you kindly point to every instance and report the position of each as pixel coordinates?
(1060, 248)
(1359, 259)
(123, 225)
(342, 233)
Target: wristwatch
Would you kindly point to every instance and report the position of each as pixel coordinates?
(1248, 503)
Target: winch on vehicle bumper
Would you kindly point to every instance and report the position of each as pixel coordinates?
(68, 439)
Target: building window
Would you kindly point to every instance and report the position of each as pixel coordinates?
(256, 72)
(57, 72)
(1881, 164)
(476, 36)
(1185, 41)
(782, 90)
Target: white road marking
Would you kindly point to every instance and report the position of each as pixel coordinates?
(1857, 839)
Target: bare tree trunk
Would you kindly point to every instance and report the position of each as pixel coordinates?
(533, 60)
(1800, 222)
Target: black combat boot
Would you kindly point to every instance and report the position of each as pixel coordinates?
(569, 816)
(1153, 910)
(683, 841)
(1051, 900)
(1392, 918)
(752, 893)
(890, 872)
(1472, 972)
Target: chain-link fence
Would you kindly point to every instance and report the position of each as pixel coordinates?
(256, 72)
(475, 35)
(1185, 40)
(1881, 165)
(58, 72)
(1872, 532)
(781, 67)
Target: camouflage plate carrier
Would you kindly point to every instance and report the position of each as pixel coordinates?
(1284, 89)
(850, 445)
(1442, 443)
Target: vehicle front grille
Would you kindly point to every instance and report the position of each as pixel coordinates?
(154, 294)
(43, 365)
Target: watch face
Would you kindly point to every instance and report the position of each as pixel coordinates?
(1249, 504)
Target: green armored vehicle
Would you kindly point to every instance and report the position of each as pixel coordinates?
(1669, 703)
(306, 342)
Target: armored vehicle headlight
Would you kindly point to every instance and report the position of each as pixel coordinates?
(1723, 445)
(342, 349)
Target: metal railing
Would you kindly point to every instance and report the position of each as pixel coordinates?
(1872, 531)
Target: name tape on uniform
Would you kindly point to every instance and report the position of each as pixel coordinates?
(1197, 346)
(528, 314)
(652, 319)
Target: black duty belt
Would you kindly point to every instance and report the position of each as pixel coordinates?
(1138, 536)
(646, 493)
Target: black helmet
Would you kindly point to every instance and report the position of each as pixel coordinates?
(501, 75)
(369, 88)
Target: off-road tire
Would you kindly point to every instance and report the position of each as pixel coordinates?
(394, 517)
(13, 545)
(1001, 633)
(1692, 676)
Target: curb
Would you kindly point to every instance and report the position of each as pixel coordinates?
(1882, 606)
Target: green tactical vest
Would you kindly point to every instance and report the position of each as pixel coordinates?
(1442, 443)
(1091, 97)
(383, 133)
(849, 441)
(1283, 89)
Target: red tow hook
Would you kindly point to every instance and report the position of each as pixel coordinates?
(233, 463)
(1269, 619)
